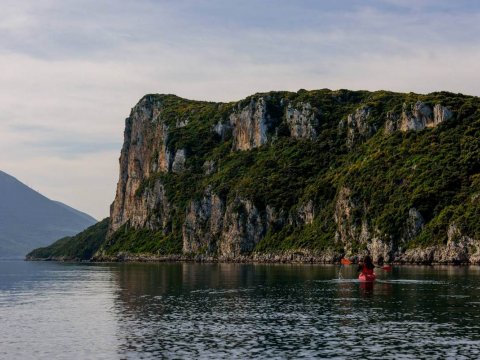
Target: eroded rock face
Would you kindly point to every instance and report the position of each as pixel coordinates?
(178, 164)
(391, 124)
(222, 129)
(250, 125)
(413, 226)
(358, 128)
(304, 214)
(143, 153)
(151, 209)
(441, 114)
(353, 227)
(209, 167)
(420, 116)
(354, 231)
(350, 227)
(417, 117)
(459, 249)
(212, 227)
(203, 224)
(302, 121)
(243, 227)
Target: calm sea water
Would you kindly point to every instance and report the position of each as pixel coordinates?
(181, 310)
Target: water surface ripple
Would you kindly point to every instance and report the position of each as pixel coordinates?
(183, 310)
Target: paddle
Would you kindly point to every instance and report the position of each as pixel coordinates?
(344, 261)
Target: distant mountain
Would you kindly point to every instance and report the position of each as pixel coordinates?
(29, 220)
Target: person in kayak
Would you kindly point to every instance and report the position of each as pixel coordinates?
(365, 268)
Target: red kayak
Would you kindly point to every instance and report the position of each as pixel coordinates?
(367, 277)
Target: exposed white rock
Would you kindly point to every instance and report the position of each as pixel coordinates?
(358, 128)
(392, 122)
(182, 123)
(179, 161)
(416, 117)
(222, 129)
(420, 116)
(250, 125)
(413, 225)
(243, 227)
(203, 223)
(151, 209)
(209, 167)
(441, 114)
(304, 214)
(302, 121)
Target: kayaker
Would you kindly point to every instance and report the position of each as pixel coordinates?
(365, 268)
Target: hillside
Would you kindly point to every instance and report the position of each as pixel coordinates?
(29, 219)
(308, 175)
(74, 248)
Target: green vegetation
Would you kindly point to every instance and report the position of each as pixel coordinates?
(436, 171)
(79, 247)
(127, 239)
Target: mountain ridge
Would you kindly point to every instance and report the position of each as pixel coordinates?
(29, 219)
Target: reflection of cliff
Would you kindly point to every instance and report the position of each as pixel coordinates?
(233, 310)
(157, 279)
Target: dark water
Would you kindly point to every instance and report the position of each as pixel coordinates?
(65, 311)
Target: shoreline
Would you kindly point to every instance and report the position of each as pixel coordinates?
(294, 258)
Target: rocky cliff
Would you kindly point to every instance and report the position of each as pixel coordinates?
(316, 173)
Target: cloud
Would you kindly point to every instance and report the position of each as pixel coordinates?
(71, 70)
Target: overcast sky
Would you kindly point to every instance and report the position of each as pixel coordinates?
(70, 70)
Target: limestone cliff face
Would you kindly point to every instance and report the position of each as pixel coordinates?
(250, 125)
(143, 153)
(302, 120)
(231, 230)
(459, 249)
(203, 225)
(244, 227)
(178, 157)
(355, 232)
(417, 117)
(358, 127)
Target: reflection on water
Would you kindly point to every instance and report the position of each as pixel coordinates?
(184, 310)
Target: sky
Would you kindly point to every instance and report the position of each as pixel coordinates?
(71, 70)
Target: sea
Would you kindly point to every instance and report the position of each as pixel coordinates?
(52, 310)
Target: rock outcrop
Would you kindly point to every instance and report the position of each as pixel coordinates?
(143, 153)
(203, 224)
(417, 117)
(459, 249)
(250, 125)
(231, 230)
(219, 212)
(358, 127)
(302, 121)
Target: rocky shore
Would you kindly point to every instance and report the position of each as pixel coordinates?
(428, 256)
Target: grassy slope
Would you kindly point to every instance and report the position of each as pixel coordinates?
(79, 247)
